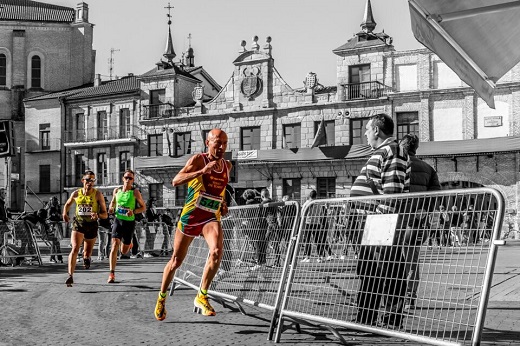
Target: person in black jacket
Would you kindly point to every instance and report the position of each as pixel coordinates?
(422, 178)
(151, 216)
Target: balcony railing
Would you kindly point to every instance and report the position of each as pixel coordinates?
(164, 110)
(37, 145)
(109, 179)
(92, 134)
(365, 90)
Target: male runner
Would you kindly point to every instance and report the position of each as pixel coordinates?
(90, 206)
(206, 175)
(124, 206)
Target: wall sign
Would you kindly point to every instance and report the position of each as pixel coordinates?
(494, 121)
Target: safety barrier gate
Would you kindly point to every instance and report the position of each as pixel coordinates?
(354, 261)
(18, 243)
(257, 241)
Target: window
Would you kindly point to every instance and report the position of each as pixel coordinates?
(180, 194)
(102, 123)
(45, 133)
(292, 134)
(156, 192)
(79, 168)
(329, 131)
(3, 70)
(204, 134)
(157, 98)
(407, 122)
(36, 72)
(326, 187)
(357, 77)
(293, 188)
(357, 131)
(250, 138)
(102, 171)
(80, 127)
(124, 161)
(182, 144)
(155, 145)
(45, 178)
(124, 123)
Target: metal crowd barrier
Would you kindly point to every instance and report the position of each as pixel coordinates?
(49, 239)
(356, 261)
(18, 243)
(154, 238)
(257, 241)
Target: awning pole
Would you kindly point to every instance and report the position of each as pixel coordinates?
(446, 17)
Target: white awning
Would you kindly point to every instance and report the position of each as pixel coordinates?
(478, 39)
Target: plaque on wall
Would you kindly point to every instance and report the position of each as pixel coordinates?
(494, 121)
(247, 154)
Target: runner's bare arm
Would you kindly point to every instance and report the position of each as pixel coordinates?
(102, 214)
(68, 204)
(224, 207)
(139, 199)
(194, 168)
(113, 201)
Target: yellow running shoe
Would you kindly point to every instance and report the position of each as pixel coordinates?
(202, 305)
(160, 309)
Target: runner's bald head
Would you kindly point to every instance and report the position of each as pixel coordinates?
(216, 133)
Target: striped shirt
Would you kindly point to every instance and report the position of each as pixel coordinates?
(388, 167)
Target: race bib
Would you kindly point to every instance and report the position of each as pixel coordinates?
(84, 209)
(208, 202)
(122, 210)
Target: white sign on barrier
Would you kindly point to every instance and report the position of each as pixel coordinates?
(379, 229)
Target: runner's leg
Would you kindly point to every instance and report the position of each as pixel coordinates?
(181, 244)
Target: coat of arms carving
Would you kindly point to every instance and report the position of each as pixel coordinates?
(251, 83)
(198, 93)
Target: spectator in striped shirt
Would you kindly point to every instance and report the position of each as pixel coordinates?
(380, 268)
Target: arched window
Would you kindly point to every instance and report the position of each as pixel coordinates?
(36, 72)
(3, 70)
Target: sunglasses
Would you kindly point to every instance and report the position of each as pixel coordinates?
(128, 178)
(88, 180)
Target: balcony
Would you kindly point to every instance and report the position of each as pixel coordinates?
(94, 134)
(109, 179)
(164, 111)
(365, 90)
(37, 146)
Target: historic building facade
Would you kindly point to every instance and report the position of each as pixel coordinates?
(285, 139)
(272, 127)
(43, 48)
(102, 126)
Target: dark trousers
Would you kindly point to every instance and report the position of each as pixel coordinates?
(319, 235)
(382, 275)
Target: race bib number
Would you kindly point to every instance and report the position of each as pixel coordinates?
(122, 210)
(208, 202)
(84, 209)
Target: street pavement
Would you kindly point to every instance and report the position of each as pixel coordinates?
(38, 309)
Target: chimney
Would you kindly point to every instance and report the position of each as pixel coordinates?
(82, 13)
(97, 80)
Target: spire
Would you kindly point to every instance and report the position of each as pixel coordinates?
(368, 24)
(189, 57)
(169, 53)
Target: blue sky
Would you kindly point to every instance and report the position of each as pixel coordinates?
(303, 32)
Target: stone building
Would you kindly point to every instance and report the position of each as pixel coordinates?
(43, 48)
(102, 126)
(272, 127)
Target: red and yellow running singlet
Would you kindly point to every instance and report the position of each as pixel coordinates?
(204, 197)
